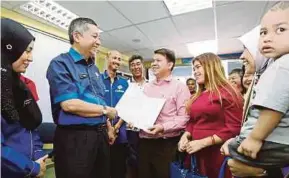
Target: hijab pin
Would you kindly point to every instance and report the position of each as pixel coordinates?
(9, 46)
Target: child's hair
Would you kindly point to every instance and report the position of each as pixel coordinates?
(282, 5)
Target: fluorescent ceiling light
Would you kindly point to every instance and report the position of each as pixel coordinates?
(50, 11)
(183, 6)
(201, 47)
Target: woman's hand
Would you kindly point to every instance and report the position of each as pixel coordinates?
(183, 142)
(195, 146)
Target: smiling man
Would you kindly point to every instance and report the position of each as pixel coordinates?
(136, 68)
(235, 77)
(115, 86)
(79, 110)
(158, 145)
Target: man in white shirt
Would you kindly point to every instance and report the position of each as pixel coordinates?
(137, 69)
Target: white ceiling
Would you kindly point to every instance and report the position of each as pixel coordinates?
(151, 23)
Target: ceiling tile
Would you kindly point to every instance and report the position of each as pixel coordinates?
(141, 11)
(106, 16)
(128, 34)
(232, 45)
(12, 4)
(233, 20)
(196, 26)
(222, 3)
(180, 50)
(146, 53)
(113, 43)
(161, 32)
(6, 5)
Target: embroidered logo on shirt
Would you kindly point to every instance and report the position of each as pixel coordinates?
(27, 102)
(119, 89)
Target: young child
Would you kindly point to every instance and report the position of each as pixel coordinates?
(264, 137)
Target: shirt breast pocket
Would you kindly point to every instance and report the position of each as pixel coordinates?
(98, 85)
(82, 82)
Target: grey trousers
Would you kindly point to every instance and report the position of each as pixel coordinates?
(271, 155)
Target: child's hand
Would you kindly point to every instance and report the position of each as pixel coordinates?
(250, 147)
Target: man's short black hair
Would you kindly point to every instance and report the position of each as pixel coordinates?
(79, 25)
(135, 57)
(169, 54)
(190, 79)
(237, 71)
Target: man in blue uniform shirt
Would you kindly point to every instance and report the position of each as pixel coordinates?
(78, 106)
(115, 87)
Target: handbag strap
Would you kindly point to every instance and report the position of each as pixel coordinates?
(180, 157)
(223, 168)
(193, 163)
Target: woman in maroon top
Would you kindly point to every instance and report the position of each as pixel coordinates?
(215, 115)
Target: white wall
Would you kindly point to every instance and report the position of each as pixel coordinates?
(45, 49)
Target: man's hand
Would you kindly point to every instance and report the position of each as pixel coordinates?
(129, 125)
(194, 146)
(111, 113)
(42, 163)
(156, 129)
(111, 135)
(239, 169)
(250, 147)
(224, 149)
(182, 145)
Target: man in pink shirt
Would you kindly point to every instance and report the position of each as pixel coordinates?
(159, 144)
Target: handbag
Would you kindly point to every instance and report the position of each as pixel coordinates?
(177, 169)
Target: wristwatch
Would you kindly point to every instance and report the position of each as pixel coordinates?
(104, 110)
(265, 173)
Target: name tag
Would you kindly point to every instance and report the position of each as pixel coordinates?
(27, 102)
(82, 76)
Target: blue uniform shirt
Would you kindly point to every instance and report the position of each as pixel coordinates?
(19, 149)
(113, 93)
(71, 77)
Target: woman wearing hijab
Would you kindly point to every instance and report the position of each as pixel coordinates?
(21, 150)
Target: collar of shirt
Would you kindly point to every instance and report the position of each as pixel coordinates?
(167, 79)
(106, 76)
(132, 80)
(76, 56)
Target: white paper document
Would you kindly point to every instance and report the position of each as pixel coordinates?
(137, 108)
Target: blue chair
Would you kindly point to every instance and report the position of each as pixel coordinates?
(46, 132)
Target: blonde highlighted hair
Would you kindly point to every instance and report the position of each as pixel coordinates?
(214, 79)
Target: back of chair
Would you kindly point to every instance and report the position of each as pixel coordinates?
(46, 132)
